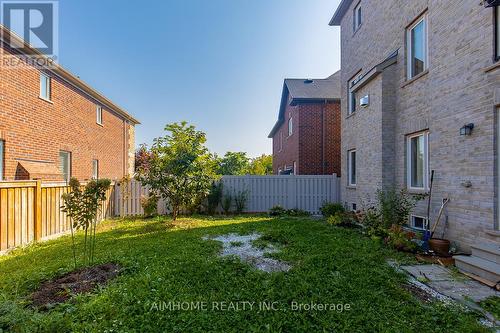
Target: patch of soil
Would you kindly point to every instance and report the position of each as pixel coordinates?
(81, 281)
(418, 293)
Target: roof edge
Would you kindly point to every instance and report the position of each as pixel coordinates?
(340, 12)
(69, 77)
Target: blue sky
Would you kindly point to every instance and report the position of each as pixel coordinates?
(217, 64)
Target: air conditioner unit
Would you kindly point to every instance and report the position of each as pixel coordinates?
(364, 101)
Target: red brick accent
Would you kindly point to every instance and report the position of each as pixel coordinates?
(315, 143)
(34, 129)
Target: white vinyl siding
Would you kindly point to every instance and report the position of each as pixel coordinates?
(351, 161)
(45, 88)
(417, 56)
(418, 161)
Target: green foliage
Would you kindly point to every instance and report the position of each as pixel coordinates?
(214, 198)
(400, 239)
(343, 219)
(395, 206)
(240, 201)
(82, 206)
(330, 209)
(372, 222)
(492, 305)
(277, 211)
(150, 204)
(181, 170)
(227, 202)
(294, 212)
(329, 265)
(262, 165)
(233, 163)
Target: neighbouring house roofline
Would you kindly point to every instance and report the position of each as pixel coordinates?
(340, 12)
(307, 91)
(67, 76)
(376, 70)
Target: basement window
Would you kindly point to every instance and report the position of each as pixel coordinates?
(418, 222)
(417, 48)
(45, 88)
(351, 161)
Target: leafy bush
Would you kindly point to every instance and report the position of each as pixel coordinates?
(395, 206)
(372, 222)
(400, 239)
(277, 211)
(343, 219)
(240, 201)
(214, 198)
(149, 204)
(297, 212)
(330, 209)
(227, 202)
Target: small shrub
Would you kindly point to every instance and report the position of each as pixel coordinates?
(149, 204)
(395, 206)
(214, 198)
(226, 203)
(372, 221)
(297, 212)
(330, 209)
(277, 211)
(240, 201)
(343, 219)
(400, 239)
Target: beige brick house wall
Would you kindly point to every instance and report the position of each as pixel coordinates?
(457, 89)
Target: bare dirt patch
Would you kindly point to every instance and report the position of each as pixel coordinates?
(243, 248)
(81, 281)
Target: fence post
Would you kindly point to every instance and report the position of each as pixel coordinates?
(38, 210)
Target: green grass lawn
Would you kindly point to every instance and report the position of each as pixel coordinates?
(166, 263)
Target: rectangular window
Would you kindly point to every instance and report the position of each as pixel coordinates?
(497, 32)
(98, 114)
(417, 48)
(45, 86)
(417, 161)
(65, 164)
(1, 158)
(290, 126)
(351, 157)
(95, 169)
(357, 18)
(295, 168)
(418, 222)
(352, 98)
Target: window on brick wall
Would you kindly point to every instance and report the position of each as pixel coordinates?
(357, 18)
(352, 98)
(418, 222)
(98, 111)
(351, 164)
(416, 37)
(295, 171)
(65, 164)
(45, 88)
(95, 169)
(290, 126)
(497, 32)
(1, 158)
(418, 161)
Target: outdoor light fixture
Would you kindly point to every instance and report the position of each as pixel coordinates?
(467, 129)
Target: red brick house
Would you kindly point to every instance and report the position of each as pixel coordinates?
(306, 137)
(53, 126)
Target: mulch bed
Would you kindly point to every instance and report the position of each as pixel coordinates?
(81, 281)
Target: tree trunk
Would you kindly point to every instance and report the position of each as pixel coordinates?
(175, 210)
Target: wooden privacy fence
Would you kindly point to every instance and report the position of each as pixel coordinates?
(30, 211)
(303, 192)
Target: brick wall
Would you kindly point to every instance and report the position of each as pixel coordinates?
(457, 89)
(36, 130)
(312, 123)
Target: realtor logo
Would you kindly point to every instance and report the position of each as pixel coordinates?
(36, 22)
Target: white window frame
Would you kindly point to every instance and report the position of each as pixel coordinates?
(98, 111)
(412, 222)
(95, 169)
(290, 126)
(68, 154)
(2, 161)
(357, 20)
(409, 138)
(294, 167)
(350, 168)
(409, 48)
(48, 80)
